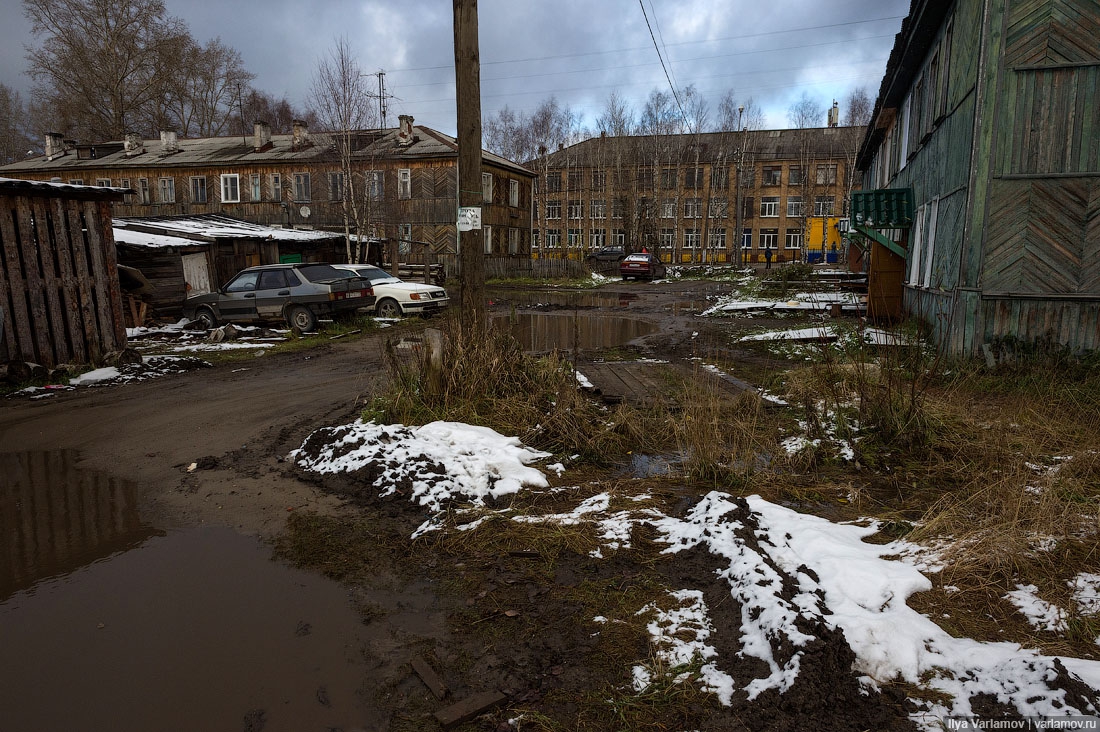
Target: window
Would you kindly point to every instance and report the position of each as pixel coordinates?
(276, 187)
(167, 190)
(574, 237)
(794, 238)
(598, 209)
(143, 190)
(76, 181)
(668, 238)
(772, 174)
(823, 205)
(599, 180)
(717, 238)
(375, 189)
(668, 179)
(746, 238)
(617, 207)
(553, 238)
(125, 183)
(668, 208)
(244, 283)
(553, 181)
(693, 178)
(719, 208)
(618, 238)
(576, 209)
(645, 179)
(513, 241)
(826, 174)
(271, 279)
(231, 188)
(598, 238)
(794, 206)
(254, 184)
(691, 238)
(769, 238)
(487, 233)
(576, 179)
(198, 189)
(513, 193)
(553, 209)
(748, 207)
(769, 206)
(719, 176)
(302, 191)
(404, 183)
(487, 187)
(748, 177)
(795, 176)
(103, 182)
(693, 208)
(336, 186)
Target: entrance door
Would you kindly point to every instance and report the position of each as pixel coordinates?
(196, 272)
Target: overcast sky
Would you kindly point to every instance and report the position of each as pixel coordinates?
(577, 50)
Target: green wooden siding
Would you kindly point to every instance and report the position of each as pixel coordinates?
(1052, 32)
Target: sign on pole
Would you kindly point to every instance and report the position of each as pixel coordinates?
(469, 218)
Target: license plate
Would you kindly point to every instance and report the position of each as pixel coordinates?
(355, 294)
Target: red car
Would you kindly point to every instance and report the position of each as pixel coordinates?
(641, 265)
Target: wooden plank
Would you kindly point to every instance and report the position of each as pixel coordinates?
(32, 273)
(114, 286)
(82, 273)
(469, 708)
(97, 256)
(431, 679)
(51, 281)
(63, 255)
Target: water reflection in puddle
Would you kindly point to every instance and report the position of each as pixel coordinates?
(558, 299)
(106, 624)
(542, 332)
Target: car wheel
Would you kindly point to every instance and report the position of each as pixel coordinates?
(301, 317)
(206, 316)
(388, 308)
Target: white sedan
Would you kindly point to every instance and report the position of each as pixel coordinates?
(394, 297)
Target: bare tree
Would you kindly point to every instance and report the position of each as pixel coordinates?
(343, 104)
(857, 108)
(278, 113)
(209, 91)
(101, 62)
(14, 140)
(696, 111)
(806, 112)
(508, 134)
(618, 118)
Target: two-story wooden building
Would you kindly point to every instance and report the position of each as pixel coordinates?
(677, 195)
(404, 182)
(986, 139)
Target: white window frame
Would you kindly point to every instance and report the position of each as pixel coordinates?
(553, 210)
(597, 239)
(769, 203)
(404, 238)
(513, 193)
(336, 186)
(668, 239)
(143, 191)
(668, 208)
(719, 208)
(487, 234)
(916, 246)
(166, 187)
(769, 239)
(820, 210)
(618, 238)
(597, 209)
(795, 206)
(573, 238)
(487, 187)
(103, 182)
(691, 238)
(693, 208)
(930, 239)
(793, 239)
(231, 188)
(303, 188)
(404, 183)
(276, 187)
(553, 238)
(376, 185)
(576, 209)
(255, 189)
(513, 241)
(717, 238)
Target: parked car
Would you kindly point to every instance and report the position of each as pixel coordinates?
(642, 265)
(296, 293)
(394, 297)
(606, 254)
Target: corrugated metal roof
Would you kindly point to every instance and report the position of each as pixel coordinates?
(208, 228)
(15, 186)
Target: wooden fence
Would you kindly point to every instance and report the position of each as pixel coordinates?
(518, 266)
(60, 300)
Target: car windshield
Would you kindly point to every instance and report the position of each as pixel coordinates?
(374, 274)
(638, 258)
(321, 272)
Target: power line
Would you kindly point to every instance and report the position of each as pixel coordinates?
(675, 94)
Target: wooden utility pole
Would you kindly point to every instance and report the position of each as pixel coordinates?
(468, 93)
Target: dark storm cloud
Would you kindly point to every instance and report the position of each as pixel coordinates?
(577, 50)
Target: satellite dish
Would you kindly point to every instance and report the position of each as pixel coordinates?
(304, 211)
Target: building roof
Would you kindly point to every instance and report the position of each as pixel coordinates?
(911, 45)
(14, 186)
(763, 145)
(182, 231)
(209, 152)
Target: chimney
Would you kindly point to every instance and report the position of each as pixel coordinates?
(134, 144)
(169, 143)
(404, 132)
(261, 136)
(55, 145)
(301, 134)
(834, 115)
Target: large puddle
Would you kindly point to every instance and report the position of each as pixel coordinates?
(107, 624)
(564, 299)
(544, 332)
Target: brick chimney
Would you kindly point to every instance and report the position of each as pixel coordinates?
(405, 130)
(55, 145)
(169, 142)
(261, 136)
(301, 134)
(134, 144)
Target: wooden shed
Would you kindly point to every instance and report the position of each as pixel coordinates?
(59, 285)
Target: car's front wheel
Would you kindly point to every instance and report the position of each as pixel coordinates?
(206, 317)
(388, 308)
(301, 318)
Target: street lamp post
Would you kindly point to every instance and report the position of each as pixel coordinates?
(737, 172)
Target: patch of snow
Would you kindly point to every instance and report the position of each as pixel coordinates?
(1041, 614)
(1086, 593)
(798, 334)
(96, 376)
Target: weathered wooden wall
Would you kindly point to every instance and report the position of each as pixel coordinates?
(59, 285)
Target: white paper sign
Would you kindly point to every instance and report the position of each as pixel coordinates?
(469, 218)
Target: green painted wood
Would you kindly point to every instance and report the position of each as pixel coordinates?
(883, 240)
